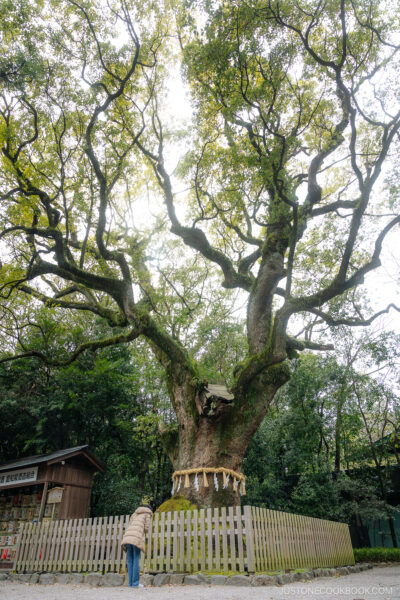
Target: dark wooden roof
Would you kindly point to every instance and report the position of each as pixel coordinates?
(52, 458)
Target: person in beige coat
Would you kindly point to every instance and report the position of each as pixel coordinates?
(134, 541)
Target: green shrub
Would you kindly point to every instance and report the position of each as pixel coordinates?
(376, 554)
(176, 503)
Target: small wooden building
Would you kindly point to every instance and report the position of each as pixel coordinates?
(42, 488)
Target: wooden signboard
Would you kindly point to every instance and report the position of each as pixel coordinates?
(54, 495)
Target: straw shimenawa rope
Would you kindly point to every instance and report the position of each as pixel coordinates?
(226, 473)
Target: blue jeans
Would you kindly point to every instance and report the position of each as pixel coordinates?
(132, 561)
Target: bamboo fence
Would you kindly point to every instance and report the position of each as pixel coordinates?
(208, 540)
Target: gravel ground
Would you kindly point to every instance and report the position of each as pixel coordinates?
(376, 584)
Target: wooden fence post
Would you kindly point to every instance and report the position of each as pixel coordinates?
(19, 546)
(248, 523)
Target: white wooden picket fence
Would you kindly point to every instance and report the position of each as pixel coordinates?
(208, 540)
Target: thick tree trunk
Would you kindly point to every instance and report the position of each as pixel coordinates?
(215, 433)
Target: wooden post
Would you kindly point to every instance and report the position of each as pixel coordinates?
(43, 502)
(19, 545)
(249, 538)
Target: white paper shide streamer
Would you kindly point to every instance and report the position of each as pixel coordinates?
(216, 482)
(196, 483)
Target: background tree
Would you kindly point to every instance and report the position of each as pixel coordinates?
(293, 133)
(292, 461)
(110, 399)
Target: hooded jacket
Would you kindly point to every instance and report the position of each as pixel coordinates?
(138, 527)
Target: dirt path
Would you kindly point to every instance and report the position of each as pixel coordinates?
(376, 584)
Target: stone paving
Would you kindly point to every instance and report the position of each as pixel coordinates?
(382, 583)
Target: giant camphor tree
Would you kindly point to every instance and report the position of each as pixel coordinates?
(295, 113)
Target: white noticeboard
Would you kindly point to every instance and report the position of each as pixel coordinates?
(18, 476)
(54, 495)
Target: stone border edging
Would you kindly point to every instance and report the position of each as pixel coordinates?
(160, 579)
